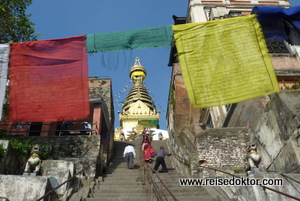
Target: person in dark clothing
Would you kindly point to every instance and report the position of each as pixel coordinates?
(65, 127)
(160, 160)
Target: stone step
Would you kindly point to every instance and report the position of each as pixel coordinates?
(134, 178)
(121, 160)
(196, 198)
(116, 176)
(122, 168)
(120, 183)
(110, 188)
(119, 175)
(119, 194)
(186, 190)
(145, 198)
(121, 171)
(190, 192)
(122, 165)
(128, 173)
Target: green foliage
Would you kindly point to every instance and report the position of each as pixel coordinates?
(14, 22)
(46, 151)
(295, 86)
(103, 82)
(5, 111)
(238, 170)
(3, 133)
(23, 147)
(172, 96)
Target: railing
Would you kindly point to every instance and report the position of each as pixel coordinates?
(70, 179)
(263, 186)
(156, 184)
(153, 181)
(24, 129)
(186, 162)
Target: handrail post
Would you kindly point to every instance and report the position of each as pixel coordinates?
(151, 192)
(160, 189)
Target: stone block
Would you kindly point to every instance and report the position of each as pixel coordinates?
(58, 171)
(256, 193)
(289, 158)
(57, 177)
(25, 188)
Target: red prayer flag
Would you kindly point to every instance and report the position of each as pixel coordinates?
(49, 80)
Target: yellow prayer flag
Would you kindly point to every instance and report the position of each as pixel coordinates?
(224, 61)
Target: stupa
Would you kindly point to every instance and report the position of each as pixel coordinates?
(138, 110)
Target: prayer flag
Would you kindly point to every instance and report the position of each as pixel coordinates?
(224, 61)
(130, 39)
(49, 80)
(4, 58)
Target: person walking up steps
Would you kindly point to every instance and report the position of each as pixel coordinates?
(129, 155)
(160, 160)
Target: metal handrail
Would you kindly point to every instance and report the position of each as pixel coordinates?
(27, 129)
(159, 191)
(147, 170)
(71, 178)
(263, 186)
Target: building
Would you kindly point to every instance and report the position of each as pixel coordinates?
(284, 53)
(210, 133)
(138, 110)
(100, 118)
(285, 58)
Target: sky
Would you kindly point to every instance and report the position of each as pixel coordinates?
(65, 18)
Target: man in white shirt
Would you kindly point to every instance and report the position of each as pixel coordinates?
(129, 155)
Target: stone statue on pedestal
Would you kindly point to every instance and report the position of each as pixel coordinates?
(252, 159)
(33, 164)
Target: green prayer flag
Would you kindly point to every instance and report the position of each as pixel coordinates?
(130, 39)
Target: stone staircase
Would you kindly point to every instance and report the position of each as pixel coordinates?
(184, 193)
(120, 183)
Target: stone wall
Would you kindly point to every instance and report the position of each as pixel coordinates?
(273, 123)
(184, 153)
(80, 149)
(223, 148)
(184, 114)
(102, 88)
(257, 193)
(11, 163)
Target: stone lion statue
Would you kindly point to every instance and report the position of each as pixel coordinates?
(253, 158)
(33, 164)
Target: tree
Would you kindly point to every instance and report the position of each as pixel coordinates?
(15, 25)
